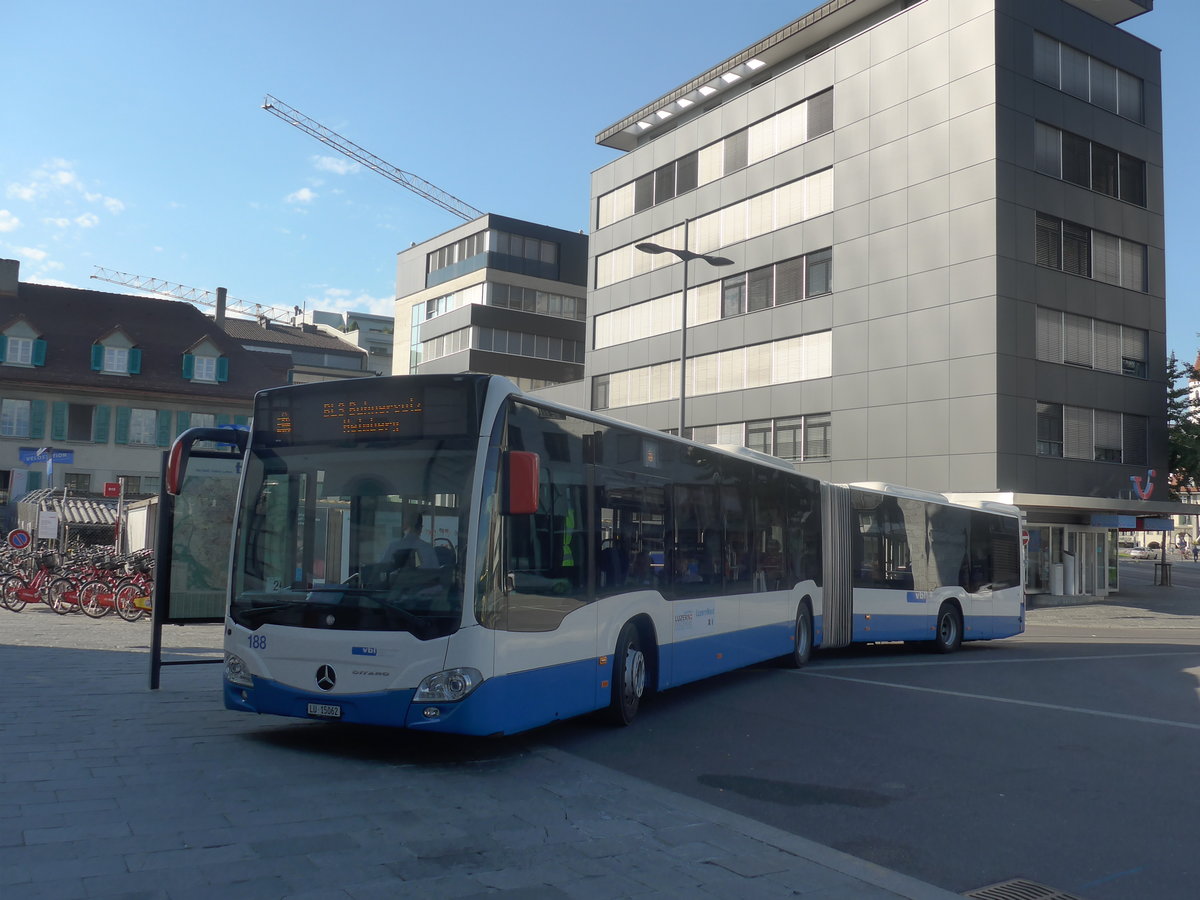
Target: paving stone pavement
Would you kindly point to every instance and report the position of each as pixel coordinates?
(111, 790)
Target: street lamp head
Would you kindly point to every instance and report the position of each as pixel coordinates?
(685, 255)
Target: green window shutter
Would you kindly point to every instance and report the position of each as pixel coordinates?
(241, 420)
(163, 428)
(123, 415)
(189, 365)
(37, 418)
(97, 357)
(100, 420)
(39, 352)
(3, 346)
(58, 420)
(34, 481)
(183, 421)
(135, 361)
(222, 368)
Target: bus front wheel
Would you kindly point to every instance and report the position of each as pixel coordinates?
(949, 629)
(629, 676)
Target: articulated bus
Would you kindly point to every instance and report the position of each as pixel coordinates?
(446, 553)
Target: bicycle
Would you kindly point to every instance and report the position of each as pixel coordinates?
(18, 590)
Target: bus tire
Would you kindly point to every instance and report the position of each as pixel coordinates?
(629, 676)
(803, 638)
(949, 632)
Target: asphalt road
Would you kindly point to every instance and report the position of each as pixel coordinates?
(1066, 756)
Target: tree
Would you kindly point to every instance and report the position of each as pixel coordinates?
(1183, 427)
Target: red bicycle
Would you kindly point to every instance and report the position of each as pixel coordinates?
(19, 589)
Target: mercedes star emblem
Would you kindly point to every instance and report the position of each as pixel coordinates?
(326, 678)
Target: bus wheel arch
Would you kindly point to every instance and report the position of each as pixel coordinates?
(948, 628)
(635, 669)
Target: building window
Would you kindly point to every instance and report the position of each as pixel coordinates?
(14, 418)
(19, 351)
(1075, 432)
(781, 131)
(791, 203)
(800, 358)
(1092, 80)
(143, 426)
(205, 368)
(116, 359)
(78, 482)
(1049, 429)
(80, 421)
(1079, 250)
(1069, 157)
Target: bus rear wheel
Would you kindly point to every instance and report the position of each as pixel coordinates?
(629, 676)
(803, 637)
(949, 629)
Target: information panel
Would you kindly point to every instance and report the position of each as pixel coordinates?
(201, 530)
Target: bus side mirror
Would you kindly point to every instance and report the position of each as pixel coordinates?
(520, 483)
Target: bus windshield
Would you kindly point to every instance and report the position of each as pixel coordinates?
(334, 537)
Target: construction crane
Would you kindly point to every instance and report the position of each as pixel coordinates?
(330, 138)
(195, 295)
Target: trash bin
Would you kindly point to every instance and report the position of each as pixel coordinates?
(1162, 573)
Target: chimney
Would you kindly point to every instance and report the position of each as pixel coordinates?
(219, 318)
(10, 270)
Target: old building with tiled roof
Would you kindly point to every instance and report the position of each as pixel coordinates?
(315, 355)
(94, 385)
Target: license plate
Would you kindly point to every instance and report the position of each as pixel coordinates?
(324, 711)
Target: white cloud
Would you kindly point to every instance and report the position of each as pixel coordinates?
(32, 253)
(87, 220)
(54, 282)
(24, 192)
(342, 300)
(304, 195)
(56, 182)
(336, 165)
(8, 222)
(112, 204)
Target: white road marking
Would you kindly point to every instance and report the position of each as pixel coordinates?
(1082, 710)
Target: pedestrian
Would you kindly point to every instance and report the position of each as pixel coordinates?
(1195, 552)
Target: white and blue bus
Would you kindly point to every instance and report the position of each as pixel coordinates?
(446, 553)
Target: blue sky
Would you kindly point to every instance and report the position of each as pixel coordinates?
(133, 136)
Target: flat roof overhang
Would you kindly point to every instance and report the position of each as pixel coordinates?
(1032, 504)
(809, 30)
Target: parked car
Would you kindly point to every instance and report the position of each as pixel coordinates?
(1143, 553)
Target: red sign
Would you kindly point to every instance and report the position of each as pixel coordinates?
(18, 539)
(112, 489)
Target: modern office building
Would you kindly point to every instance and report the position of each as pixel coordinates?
(930, 239)
(369, 332)
(494, 295)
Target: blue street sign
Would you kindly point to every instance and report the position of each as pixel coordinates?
(32, 455)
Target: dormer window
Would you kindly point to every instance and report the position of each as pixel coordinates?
(205, 368)
(20, 346)
(116, 359)
(204, 363)
(116, 355)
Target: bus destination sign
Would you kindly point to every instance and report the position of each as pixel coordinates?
(367, 409)
(373, 417)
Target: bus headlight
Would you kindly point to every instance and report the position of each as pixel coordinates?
(236, 671)
(448, 686)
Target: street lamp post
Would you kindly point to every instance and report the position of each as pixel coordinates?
(685, 256)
